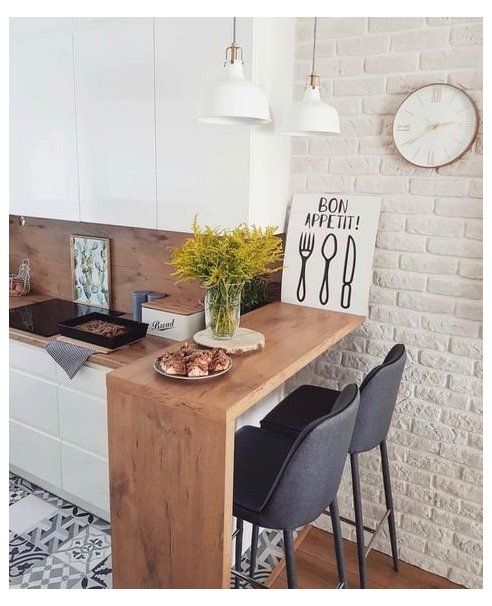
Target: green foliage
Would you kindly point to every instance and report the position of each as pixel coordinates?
(256, 293)
(216, 256)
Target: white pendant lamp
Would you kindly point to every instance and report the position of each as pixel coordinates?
(311, 116)
(234, 99)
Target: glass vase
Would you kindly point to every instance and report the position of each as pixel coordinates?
(223, 310)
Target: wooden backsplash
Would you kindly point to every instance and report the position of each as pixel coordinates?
(139, 258)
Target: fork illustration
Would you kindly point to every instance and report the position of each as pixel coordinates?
(306, 247)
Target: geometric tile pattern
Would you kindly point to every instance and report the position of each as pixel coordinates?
(86, 550)
(49, 574)
(22, 555)
(71, 548)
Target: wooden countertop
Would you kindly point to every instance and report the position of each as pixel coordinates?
(171, 450)
(294, 337)
(121, 357)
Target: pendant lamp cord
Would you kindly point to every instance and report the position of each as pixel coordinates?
(314, 43)
(234, 30)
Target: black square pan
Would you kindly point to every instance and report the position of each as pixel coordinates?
(136, 330)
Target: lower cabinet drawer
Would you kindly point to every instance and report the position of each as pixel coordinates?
(85, 475)
(32, 359)
(83, 420)
(34, 401)
(90, 379)
(35, 453)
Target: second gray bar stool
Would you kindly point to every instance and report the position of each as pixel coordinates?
(378, 393)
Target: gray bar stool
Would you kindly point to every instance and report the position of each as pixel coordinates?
(284, 482)
(378, 393)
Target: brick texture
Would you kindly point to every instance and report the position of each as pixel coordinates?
(427, 278)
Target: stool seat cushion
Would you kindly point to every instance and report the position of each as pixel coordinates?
(304, 405)
(259, 456)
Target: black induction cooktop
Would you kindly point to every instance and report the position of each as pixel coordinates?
(42, 318)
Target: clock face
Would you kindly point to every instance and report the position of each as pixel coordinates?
(435, 125)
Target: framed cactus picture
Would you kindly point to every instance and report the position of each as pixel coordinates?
(91, 270)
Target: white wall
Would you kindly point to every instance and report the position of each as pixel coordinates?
(427, 281)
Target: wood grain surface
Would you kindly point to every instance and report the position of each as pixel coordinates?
(139, 258)
(294, 336)
(316, 567)
(171, 449)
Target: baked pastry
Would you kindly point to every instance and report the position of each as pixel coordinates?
(197, 363)
(172, 364)
(219, 361)
(102, 328)
(193, 362)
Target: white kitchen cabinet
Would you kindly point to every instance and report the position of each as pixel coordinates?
(38, 361)
(91, 378)
(43, 162)
(104, 129)
(85, 475)
(225, 174)
(83, 420)
(114, 88)
(36, 452)
(59, 428)
(34, 401)
(201, 168)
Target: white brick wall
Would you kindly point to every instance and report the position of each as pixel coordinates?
(426, 282)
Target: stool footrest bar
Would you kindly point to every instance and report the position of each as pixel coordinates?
(375, 532)
(245, 577)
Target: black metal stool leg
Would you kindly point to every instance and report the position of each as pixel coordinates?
(389, 503)
(254, 550)
(338, 542)
(239, 549)
(290, 559)
(359, 523)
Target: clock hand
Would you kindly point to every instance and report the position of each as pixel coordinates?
(426, 129)
(444, 124)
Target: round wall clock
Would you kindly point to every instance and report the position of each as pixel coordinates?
(435, 125)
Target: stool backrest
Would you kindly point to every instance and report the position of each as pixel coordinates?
(378, 393)
(309, 479)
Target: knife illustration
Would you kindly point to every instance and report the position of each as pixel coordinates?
(348, 273)
(328, 251)
(306, 247)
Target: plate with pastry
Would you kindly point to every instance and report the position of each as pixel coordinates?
(190, 363)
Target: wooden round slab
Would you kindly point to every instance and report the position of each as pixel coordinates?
(244, 341)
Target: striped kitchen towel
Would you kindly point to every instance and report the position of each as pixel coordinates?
(70, 357)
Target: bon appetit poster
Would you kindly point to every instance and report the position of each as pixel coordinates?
(329, 251)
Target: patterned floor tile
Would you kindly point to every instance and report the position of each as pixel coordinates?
(23, 555)
(86, 550)
(50, 574)
(73, 510)
(16, 492)
(28, 513)
(101, 574)
(71, 548)
(51, 533)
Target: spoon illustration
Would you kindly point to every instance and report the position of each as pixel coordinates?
(328, 251)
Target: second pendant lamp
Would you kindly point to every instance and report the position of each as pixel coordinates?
(311, 116)
(234, 99)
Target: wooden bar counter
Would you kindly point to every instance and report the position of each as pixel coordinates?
(171, 448)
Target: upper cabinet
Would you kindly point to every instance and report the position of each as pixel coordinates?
(225, 174)
(104, 125)
(201, 168)
(43, 156)
(114, 89)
